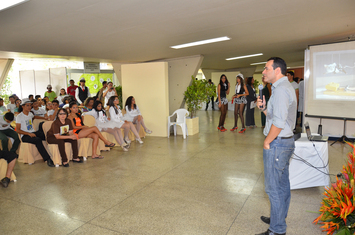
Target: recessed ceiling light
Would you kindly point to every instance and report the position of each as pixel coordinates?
(191, 44)
(258, 63)
(10, 3)
(244, 56)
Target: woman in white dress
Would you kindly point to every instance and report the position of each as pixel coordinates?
(103, 124)
(110, 91)
(61, 96)
(119, 121)
(134, 115)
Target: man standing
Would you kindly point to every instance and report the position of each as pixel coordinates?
(278, 144)
(50, 94)
(210, 83)
(72, 88)
(82, 92)
(101, 92)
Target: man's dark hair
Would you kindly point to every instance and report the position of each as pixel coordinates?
(1, 99)
(55, 101)
(9, 116)
(291, 73)
(279, 63)
(30, 97)
(11, 96)
(37, 96)
(296, 79)
(104, 82)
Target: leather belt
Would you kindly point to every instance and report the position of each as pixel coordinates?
(289, 137)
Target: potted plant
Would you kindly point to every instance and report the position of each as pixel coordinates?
(197, 93)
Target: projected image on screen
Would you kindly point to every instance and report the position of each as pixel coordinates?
(334, 75)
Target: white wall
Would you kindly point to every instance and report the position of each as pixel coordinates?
(148, 83)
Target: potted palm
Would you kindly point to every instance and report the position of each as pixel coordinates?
(197, 93)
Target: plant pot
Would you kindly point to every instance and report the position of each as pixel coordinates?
(192, 125)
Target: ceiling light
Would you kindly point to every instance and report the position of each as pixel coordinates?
(244, 56)
(258, 63)
(191, 44)
(10, 3)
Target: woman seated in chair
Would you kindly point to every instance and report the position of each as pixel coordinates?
(82, 131)
(134, 115)
(103, 124)
(61, 132)
(117, 118)
(88, 105)
(24, 126)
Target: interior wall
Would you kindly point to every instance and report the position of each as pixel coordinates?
(117, 68)
(148, 83)
(180, 72)
(299, 72)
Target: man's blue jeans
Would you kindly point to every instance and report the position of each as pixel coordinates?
(277, 183)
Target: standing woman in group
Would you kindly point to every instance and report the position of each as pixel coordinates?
(82, 131)
(134, 115)
(249, 116)
(241, 92)
(267, 93)
(103, 124)
(118, 120)
(223, 91)
(61, 96)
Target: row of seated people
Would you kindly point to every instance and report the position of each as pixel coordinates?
(68, 127)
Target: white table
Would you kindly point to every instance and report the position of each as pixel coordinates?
(304, 176)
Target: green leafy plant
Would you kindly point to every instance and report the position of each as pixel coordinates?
(198, 92)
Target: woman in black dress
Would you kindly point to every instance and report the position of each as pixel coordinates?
(223, 91)
(267, 93)
(241, 92)
(249, 116)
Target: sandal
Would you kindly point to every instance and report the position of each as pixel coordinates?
(98, 157)
(110, 145)
(234, 128)
(242, 130)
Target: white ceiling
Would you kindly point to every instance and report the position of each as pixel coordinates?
(144, 30)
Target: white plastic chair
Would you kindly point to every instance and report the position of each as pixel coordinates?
(180, 121)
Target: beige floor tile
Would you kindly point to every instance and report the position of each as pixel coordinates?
(89, 229)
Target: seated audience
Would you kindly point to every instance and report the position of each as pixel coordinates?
(11, 106)
(118, 120)
(61, 96)
(24, 127)
(103, 124)
(134, 115)
(17, 102)
(6, 131)
(2, 106)
(61, 132)
(82, 131)
(30, 97)
(38, 111)
(88, 104)
(10, 157)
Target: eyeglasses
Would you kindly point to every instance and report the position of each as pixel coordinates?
(62, 114)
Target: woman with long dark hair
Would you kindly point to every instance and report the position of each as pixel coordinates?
(134, 115)
(240, 100)
(61, 132)
(117, 119)
(103, 124)
(82, 131)
(223, 91)
(249, 115)
(88, 104)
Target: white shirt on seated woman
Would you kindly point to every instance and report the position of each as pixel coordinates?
(134, 115)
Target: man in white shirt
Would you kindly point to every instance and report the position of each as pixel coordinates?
(38, 111)
(82, 92)
(24, 127)
(11, 107)
(2, 107)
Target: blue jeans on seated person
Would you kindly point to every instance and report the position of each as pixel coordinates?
(277, 183)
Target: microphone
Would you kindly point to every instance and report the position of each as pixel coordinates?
(261, 94)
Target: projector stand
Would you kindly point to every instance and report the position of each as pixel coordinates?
(343, 138)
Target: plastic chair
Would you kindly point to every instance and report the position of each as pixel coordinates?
(180, 121)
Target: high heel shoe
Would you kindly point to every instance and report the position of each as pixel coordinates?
(124, 148)
(128, 141)
(234, 128)
(139, 140)
(242, 130)
(148, 131)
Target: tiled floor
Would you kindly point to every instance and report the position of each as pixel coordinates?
(210, 183)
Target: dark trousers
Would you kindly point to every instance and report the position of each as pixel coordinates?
(38, 142)
(61, 146)
(212, 99)
(8, 156)
(4, 140)
(249, 116)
